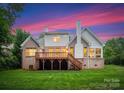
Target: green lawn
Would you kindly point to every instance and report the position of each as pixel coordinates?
(111, 77)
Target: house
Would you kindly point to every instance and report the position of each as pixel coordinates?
(57, 51)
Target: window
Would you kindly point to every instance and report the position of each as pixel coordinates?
(30, 52)
(98, 52)
(57, 50)
(56, 39)
(63, 50)
(72, 51)
(91, 52)
(85, 52)
(50, 50)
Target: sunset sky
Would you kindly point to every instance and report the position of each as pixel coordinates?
(106, 20)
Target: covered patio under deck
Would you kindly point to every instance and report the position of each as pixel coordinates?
(53, 64)
(52, 60)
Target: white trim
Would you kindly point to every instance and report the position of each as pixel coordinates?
(101, 52)
(29, 37)
(88, 57)
(25, 41)
(94, 52)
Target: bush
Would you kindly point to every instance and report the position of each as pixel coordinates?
(10, 62)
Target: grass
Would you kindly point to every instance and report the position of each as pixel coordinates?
(111, 77)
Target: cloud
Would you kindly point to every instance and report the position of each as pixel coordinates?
(88, 18)
(105, 36)
(94, 16)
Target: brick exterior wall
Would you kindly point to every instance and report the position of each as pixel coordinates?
(27, 61)
(93, 63)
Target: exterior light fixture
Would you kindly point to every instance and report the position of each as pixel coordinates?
(56, 39)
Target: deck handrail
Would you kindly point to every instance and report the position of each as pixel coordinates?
(51, 54)
(74, 61)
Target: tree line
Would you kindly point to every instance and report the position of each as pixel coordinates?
(114, 51)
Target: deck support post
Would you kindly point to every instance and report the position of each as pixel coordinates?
(43, 64)
(51, 64)
(34, 67)
(68, 65)
(59, 64)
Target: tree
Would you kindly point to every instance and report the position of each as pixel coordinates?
(8, 15)
(19, 39)
(114, 51)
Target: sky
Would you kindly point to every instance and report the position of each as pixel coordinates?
(105, 20)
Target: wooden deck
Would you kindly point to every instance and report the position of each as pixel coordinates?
(51, 55)
(59, 55)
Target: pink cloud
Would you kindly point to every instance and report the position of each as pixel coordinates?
(88, 18)
(107, 36)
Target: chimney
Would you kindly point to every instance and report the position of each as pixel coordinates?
(78, 46)
(78, 31)
(46, 29)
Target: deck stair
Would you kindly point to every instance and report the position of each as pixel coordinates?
(77, 64)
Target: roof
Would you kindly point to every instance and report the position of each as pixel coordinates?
(56, 33)
(28, 38)
(76, 38)
(87, 29)
(72, 39)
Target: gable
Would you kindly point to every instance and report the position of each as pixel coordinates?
(91, 38)
(29, 43)
(74, 41)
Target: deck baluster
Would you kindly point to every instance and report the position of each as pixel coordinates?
(51, 55)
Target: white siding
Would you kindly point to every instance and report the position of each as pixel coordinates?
(64, 40)
(91, 40)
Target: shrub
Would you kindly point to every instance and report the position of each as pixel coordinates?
(10, 62)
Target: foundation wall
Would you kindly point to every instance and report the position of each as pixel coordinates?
(93, 63)
(28, 62)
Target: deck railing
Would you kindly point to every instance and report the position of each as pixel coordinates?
(51, 55)
(74, 61)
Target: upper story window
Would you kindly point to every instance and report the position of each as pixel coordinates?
(30, 52)
(56, 39)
